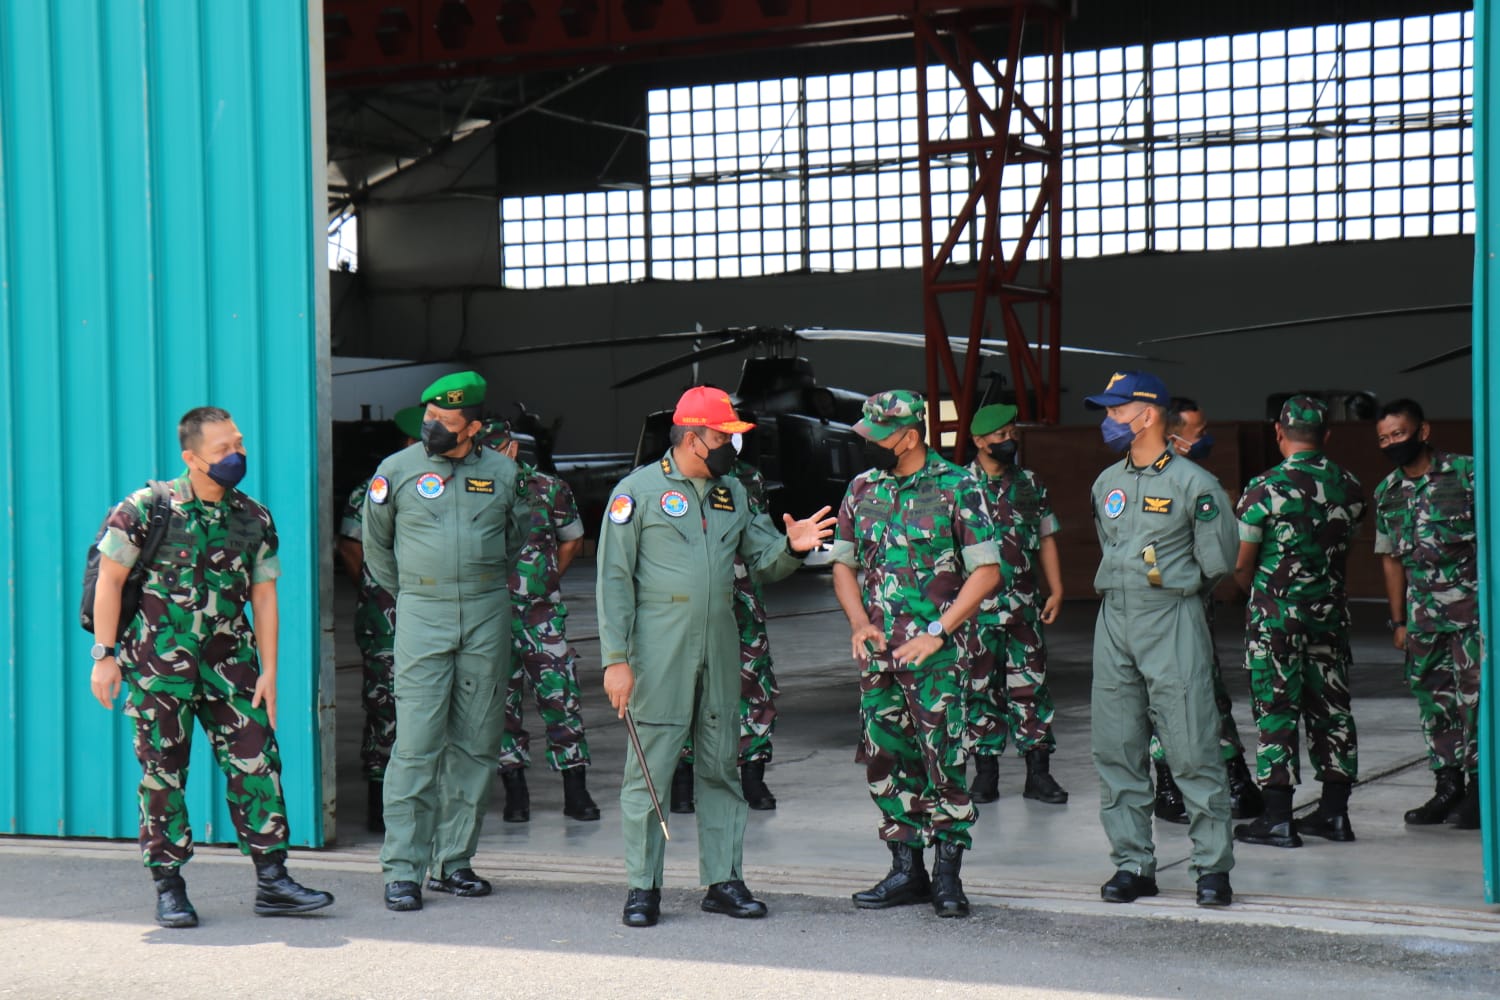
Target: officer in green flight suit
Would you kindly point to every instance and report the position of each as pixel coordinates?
(443, 526)
(670, 645)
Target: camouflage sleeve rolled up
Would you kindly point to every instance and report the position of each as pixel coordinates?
(1252, 511)
(125, 528)
(842, 550)
(1049, 525)
(565, 519)
(265, 564)
(973, 531)
(351, 524)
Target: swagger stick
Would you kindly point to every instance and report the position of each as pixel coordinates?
(640, 757)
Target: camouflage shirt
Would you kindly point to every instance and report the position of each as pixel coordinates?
(1302, 514)
(375, 611)
(911, 541)
(747, 591)
(1023, 516)
(199, 583)
(1428, 524)
(553, 519)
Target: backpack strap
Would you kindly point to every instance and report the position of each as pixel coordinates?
(161, 517)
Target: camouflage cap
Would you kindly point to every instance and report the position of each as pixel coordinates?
(494, 433)
(1308, 412)
(885, 413)
(989, 419)
(452, 392)
(408, 421)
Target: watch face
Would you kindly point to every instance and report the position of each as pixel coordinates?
(935, 629)
(97, 652)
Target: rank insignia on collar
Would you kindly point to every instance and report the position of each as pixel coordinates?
(674, 503)
(430, 486)
(621, 506)
(1156, 505)
(1165, 460)
(719, 498)
(380, 490)
(666, 466)
(1114, 504)
(479, 485)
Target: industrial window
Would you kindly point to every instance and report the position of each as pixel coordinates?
(1330, 133)
(343, 242)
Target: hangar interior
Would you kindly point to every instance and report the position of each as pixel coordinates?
(499, 178)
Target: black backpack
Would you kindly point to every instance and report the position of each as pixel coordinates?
(130, 595)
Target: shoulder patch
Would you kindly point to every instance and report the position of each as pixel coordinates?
(1207, 509)
(1156, 505)
(380, 490)
(621, 507)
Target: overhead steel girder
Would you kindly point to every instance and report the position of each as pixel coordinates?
(996, 134)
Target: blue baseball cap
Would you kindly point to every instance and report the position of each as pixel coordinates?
(1130, 387)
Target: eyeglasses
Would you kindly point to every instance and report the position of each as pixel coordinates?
(1153, 574)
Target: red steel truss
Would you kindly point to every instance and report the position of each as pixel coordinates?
(1001, 282)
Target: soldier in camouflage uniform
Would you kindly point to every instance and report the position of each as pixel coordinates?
(1187, 432)
(1425, 534)
(375, 633)
(539, 627)
(1008, 669)
(191, 652)
(913, 556)
(1295, 524)
(758, 691)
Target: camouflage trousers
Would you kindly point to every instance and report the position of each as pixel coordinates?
(913, 752)
(1442, 670)
(1301, 675)
(1230, 745)
(1008, 693)
(758, 690)
(243, 745)
(379, 655)
(549, 663)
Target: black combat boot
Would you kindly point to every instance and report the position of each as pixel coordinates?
(1466, 816)
(1450, 791)
(517, 795)
(1331, 819)
(1169, 804)
(753, 783)
(278, 894)
(986, 784)
(1040, 784)
(682, 788)
(375, 807)
(172, 906)
(1245, 800)
(577, 802)
(1274, 827)
(948, 899)
(905, 883)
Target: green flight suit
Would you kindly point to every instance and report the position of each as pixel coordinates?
(442, 535)
(665, 597)
(1153, 654)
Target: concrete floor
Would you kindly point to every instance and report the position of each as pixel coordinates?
(821, 839)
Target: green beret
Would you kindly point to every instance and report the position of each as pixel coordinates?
(885, 413)
(408, 421)
(452, 392)
(989, 419)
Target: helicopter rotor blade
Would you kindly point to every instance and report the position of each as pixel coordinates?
(681, 361)
(1438, 359)
(573, 345)
(1313, 321)
(987, 347)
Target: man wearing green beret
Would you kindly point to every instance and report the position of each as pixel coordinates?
(375, 633)
(443, 525)
(913, 557)
(1008, 667)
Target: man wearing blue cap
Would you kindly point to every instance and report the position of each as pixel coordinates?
(1166, 539)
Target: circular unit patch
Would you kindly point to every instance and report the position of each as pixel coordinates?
(674, 504)
(380, 489)
(430, 486)
(1114, 504)
(621, 506)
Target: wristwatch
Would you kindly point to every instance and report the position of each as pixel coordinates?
(100, 651)
(936, 630)
(1394, 623)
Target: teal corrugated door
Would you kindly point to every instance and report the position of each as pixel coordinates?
(159, 251)
(1487, 414)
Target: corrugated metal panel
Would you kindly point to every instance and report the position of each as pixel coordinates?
(1487, 414)
(159, 251)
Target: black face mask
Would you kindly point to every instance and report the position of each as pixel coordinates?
(1004, 452)
(437, 439)
(882, 459)
(1404, 452)
(721, 459)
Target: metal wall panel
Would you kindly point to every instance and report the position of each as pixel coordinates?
(159, 250)
(1487, 413)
